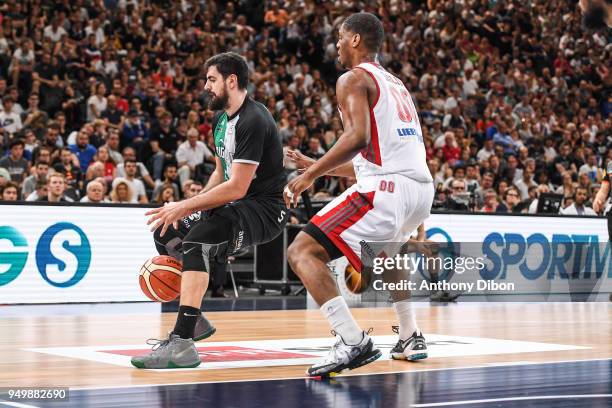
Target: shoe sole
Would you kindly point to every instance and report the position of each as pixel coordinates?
(206, 334)
(139, 364)
(414, 357)
(372, 356)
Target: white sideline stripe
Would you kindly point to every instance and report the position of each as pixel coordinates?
(535, 397)
(106, 387)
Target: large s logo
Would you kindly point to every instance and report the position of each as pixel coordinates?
(15, 260)
(63, 255)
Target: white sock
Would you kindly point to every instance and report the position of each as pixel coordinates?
(339, 316)
(406, 318)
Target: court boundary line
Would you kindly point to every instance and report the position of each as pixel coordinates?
(493, 365)
(525, 398)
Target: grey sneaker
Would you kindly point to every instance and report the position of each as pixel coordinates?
(203, 329)
(174, 352)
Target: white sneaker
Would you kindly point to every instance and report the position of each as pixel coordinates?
(344, 356)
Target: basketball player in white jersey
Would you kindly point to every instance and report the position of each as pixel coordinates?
(382, 146)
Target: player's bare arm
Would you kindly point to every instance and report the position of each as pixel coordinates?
(303, 162)
(354, 92)
(233, 189)
(216, 177)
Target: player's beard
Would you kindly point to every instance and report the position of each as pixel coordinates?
(218, 102)
(594, 17)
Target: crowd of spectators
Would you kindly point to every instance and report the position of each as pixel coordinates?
(104, 100)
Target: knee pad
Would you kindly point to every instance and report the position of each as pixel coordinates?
(170, 244)
(207, 244)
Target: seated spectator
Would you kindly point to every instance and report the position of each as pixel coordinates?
(112, 115)
(83, 150)
(315, 150)
(112, 144)
(137, 188)
(97, 103)
(511, 200)
(190, 154)
(170, 177)
(9, 192)
(162, 143)
(193, 189)
(490, 201)
(134, 130)
(17, 166)
(40, 173)
(142, 173)
(578, 207)
(73, 176)
(56, 187)
(525, 183)
(94, 193)
(39, 192)
(110, 167)
(459, 197)
(165, 194)
(122, 192)
(10, 122)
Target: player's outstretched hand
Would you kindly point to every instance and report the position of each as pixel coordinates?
(301, 160)
(295, 187)
(167, 215)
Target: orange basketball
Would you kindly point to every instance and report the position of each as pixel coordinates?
(355, 282)
(160, 278)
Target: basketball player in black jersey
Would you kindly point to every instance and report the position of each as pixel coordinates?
(242, 204)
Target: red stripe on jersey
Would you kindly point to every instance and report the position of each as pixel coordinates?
(372, 152)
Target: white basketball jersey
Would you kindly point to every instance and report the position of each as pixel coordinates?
(396, 141)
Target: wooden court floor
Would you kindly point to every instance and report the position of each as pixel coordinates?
(586, 326)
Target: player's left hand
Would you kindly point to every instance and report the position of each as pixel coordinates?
(167, 215)
(296, 187)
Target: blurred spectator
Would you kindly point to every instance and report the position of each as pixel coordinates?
(191, 153)
(578, 207)
(170, 178)
(9, 192)
(84, 151)
(490, 201)
(193, 189)
(94, 193)
(15, 163)
(40, 174)
(40, 191)
(122, 193)
(141, 171)
(165, 194)
(511, 200)
(56, 187)
(10, 121)
(73, 176)
(110, 167)
(137, 188)
(459, 198)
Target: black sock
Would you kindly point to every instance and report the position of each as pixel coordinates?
(186, 321)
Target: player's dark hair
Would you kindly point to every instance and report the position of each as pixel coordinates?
(127, 161)
(369, 27)
(230, 63)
